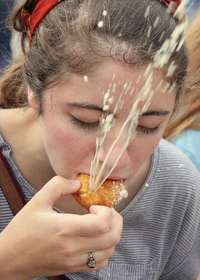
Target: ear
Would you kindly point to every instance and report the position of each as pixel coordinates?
(32, 99)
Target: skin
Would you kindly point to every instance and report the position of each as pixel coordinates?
(60, 135)
(54, 160)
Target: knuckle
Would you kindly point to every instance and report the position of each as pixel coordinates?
(56, 180)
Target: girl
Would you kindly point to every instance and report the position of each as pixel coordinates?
(54, 100)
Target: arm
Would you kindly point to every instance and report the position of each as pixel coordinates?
(41, 242)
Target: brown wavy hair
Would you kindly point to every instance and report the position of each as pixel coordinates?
(68, 41)
(188, 113)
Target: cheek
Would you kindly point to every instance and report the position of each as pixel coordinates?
(143, 147)
(77, 145)
(67, 143)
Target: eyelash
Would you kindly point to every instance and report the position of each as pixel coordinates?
(148, 130)
(84, 125)
(94, 125)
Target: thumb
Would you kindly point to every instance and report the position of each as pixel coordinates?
(54, 189)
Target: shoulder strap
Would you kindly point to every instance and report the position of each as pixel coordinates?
(10, 187)
(13, 193)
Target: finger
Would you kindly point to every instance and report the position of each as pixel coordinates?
(78, 262)
(82, 268)
(117, 219)
(85, 268)
(111, 237)
(94, 209)
(87, 225)
(98, 241)
(54, 189)
(114, 215)
(100, 256)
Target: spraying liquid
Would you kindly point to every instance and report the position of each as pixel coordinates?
(99, 173)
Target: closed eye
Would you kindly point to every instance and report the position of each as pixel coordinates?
(95, 125)
(148, 130)
(84, 125)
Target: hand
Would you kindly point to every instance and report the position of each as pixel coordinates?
(41, 242)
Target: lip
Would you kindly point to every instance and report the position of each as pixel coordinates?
(115, 178)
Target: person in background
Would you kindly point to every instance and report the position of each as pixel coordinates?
(5, 34)
(184, 129)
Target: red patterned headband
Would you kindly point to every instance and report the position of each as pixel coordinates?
(35, 10)
(171, 4)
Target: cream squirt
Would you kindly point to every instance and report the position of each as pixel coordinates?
(95, 188)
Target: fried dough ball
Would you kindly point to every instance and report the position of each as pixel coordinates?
(109, 194)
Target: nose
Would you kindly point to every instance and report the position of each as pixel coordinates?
(111, 153)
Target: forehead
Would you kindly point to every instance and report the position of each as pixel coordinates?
(114, 79)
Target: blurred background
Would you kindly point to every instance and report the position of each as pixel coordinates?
(5, 34)
(192, 8)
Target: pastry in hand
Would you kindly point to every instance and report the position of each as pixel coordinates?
(109, 194)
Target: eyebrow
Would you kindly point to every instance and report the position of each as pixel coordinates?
(88, 106)
(85, 105)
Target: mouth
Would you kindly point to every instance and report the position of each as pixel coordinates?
(109, 194)
(111, 177)
(115, 178)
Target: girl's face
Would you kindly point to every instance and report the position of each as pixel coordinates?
(70, 121)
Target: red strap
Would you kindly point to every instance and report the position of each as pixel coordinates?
(61, 277)
(13, 193)
(10, 186)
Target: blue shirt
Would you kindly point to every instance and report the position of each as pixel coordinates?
(189, 143)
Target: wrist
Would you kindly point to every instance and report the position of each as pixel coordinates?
(8, 262)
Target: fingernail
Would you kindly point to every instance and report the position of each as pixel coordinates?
(75, 183)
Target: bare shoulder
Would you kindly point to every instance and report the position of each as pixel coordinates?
(8, 117)
(14, 121)
(4, 117)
